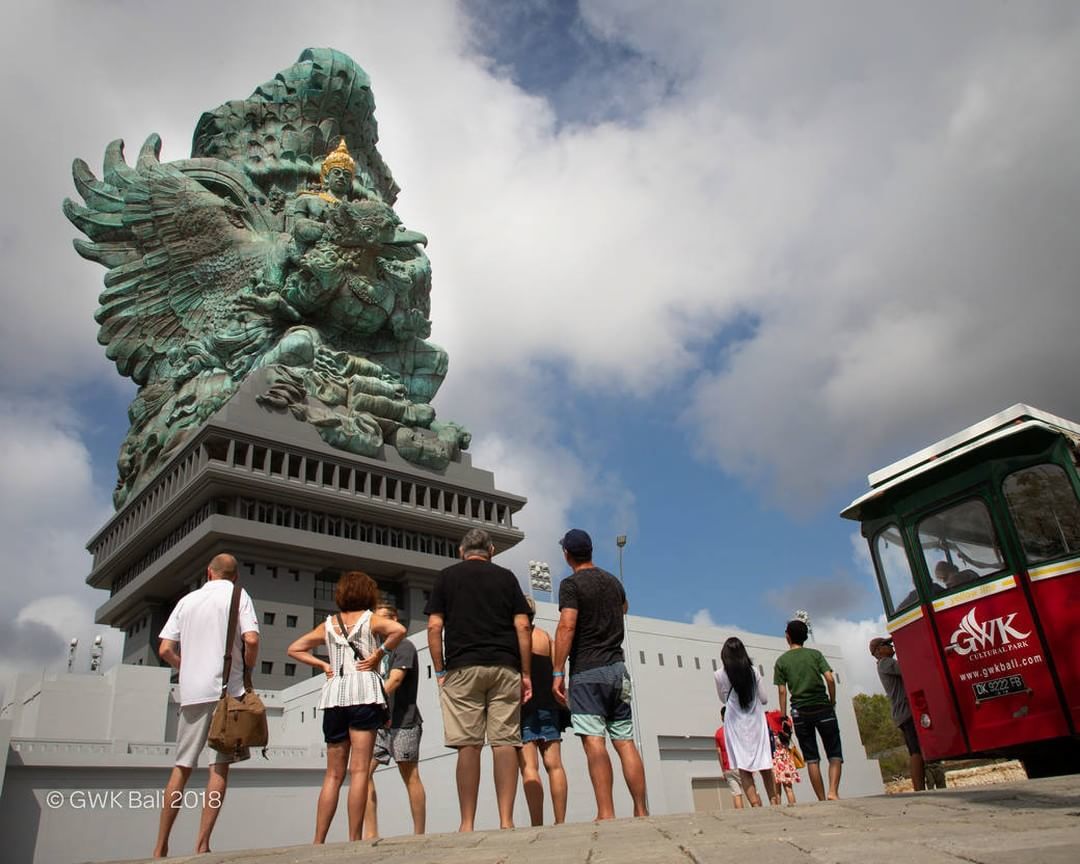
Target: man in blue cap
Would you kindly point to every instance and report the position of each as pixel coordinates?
(592, 604)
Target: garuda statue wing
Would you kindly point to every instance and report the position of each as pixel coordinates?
(181, 241)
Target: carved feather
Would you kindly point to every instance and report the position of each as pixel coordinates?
(175, 257)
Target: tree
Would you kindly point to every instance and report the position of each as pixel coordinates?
(882, 740)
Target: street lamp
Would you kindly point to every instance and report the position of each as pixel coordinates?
(540, 576)
(97, 653)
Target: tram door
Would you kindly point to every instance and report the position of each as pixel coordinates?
(925, 676)
(1045, 514)
(986, 630)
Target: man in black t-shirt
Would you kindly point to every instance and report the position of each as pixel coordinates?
(401, 740)
(592, 604)
(485, 677)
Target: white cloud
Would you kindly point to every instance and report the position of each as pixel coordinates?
(703, 618)
(853, 639)
(875, 208)
(50, 509)
(70, 618)
(552, 484)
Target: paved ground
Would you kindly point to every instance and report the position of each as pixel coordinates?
(1035, 822)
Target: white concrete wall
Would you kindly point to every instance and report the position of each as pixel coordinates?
(108, 734)
(126, 703)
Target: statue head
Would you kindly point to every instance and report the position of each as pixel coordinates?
(338, 170)
(367, 222)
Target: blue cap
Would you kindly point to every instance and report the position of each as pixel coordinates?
(577, 542)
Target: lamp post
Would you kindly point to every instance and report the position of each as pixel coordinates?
(620, 542)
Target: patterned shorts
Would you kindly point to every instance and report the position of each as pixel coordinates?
(401, 744)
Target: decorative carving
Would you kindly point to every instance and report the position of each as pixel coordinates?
(272, 246)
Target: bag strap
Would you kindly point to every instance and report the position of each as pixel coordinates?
(230, 636)
(345, 635)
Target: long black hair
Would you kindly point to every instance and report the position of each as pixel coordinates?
(740, 671)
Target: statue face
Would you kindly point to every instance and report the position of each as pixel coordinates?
(339, 181)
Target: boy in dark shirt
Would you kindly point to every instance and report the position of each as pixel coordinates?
(401, 741)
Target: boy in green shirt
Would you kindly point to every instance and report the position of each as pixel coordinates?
(801, 670)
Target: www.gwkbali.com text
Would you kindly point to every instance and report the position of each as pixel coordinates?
(999, 668)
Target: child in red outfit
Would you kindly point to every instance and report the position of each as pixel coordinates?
(784, 770)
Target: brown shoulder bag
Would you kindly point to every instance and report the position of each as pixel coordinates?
(237, 724)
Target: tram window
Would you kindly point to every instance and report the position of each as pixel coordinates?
(1045, 512)
(960, 545)
(893, 567)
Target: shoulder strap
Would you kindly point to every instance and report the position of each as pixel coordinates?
(230, 636)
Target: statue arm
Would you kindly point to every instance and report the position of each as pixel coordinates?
(307, 231)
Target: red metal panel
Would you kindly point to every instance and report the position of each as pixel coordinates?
(1055, 590)
(997, 664)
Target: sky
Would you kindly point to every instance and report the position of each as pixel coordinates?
(700, 267)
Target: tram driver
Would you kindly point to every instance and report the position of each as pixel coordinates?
(949, 576)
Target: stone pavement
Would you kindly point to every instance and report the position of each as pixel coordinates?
(1034, 822)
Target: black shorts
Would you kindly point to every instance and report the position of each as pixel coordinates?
(336, 722)
(911, 737)
(822, 721)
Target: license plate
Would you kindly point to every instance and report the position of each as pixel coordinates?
(997, 687)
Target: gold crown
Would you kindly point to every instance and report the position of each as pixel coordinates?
(340, 158)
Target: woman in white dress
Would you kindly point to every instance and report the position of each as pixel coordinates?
(352, 703)
(746, 732)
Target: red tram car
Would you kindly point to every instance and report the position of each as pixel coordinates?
(976, 545)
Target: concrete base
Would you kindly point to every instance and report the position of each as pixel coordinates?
(1033, 821)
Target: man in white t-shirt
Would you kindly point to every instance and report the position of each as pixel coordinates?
(197, 628)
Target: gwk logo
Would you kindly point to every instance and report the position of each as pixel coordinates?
(974, 636)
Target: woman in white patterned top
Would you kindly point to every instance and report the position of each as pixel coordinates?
(352, 702)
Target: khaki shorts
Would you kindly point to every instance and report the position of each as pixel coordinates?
(192, 730)
(479, 702)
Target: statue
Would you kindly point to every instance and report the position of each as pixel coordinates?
(274, 247)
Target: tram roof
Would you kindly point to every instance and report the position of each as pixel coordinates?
(1011, 421)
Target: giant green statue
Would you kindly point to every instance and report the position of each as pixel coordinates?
(276, 247)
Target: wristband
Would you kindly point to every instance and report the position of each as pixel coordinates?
(440, 674)
(558, 674)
